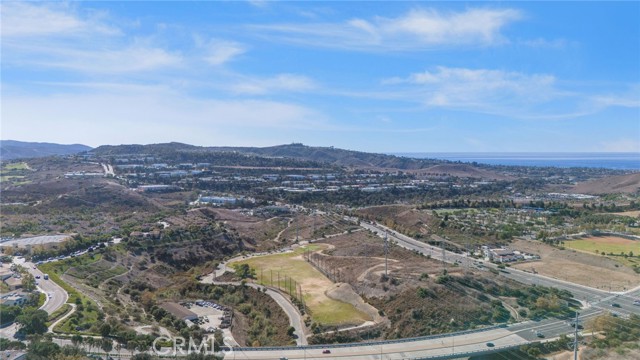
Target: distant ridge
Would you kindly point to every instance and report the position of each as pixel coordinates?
(12, 149)
(327, 155)
(318, 155)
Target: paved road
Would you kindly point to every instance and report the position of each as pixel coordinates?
(48, 287)
(580, 292)
(56, 296)
(434, 347)
(295, 318)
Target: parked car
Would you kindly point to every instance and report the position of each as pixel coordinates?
(326, 351)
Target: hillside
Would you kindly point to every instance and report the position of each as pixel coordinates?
(11, 149)
(464, 170)
(274, 155)
(340, 157)
(629, 183)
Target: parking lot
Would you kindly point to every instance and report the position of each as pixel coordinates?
(212, 316)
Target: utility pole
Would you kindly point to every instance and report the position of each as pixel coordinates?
(575, 340)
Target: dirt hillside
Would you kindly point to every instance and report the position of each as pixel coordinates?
(629, 183)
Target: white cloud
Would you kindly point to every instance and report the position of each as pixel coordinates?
(222, 51)
(432, 27)
(478, 88)
(126, 59)
(282, 82)
(417, 29)
(23, 19)
(55, 35)
(122, 114)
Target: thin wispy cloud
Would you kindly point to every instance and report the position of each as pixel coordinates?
(219, 52)
(282, 82)
(501, 92)
(417, 29)
(24, 19)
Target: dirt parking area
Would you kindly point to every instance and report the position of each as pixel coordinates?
(578, 267)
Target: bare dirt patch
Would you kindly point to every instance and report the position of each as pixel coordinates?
(578, 267)
(358, 258)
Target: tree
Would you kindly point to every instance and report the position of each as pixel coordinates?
(91, 342)
(28, 282)
(106, 345)
(43, 350)
(33, 321)
(77, 340)
(105, 330)
(244, 271)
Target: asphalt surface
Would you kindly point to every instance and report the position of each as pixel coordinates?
(295, 318)
(55, 296)
(468, 343)
(580, 292)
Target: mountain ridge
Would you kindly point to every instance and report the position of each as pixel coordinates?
(14, 149)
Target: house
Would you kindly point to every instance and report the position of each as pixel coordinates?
(504, 255)
(13, 355)
(14, 283)
(14, 299)
(219, 200)
(5, 273)
(179, 311)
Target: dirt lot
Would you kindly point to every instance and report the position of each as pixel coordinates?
(359, 256)
(634, 213)
(578, 267)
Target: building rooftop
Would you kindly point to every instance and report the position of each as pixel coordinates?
(178, 310)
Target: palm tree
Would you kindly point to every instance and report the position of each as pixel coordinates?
(91, 342)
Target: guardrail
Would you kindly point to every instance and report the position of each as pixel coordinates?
(469, 353)
(371, 343)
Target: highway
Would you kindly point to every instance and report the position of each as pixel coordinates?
(434, 347)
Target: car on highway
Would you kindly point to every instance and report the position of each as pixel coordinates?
(636, 302)
(326, 351)
(37, 276)
(490, 344)
(615, 305)
(572, 324)
(539, 334)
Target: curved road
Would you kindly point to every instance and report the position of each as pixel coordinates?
(295, 318)
(56, 295)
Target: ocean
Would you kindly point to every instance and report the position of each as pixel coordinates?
(617, 161)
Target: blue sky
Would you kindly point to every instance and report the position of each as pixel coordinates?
(370, 76)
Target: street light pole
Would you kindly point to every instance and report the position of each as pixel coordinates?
(575, 339)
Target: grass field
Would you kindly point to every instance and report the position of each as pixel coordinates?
(608, 244)
(16, 166)
(287, 266)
